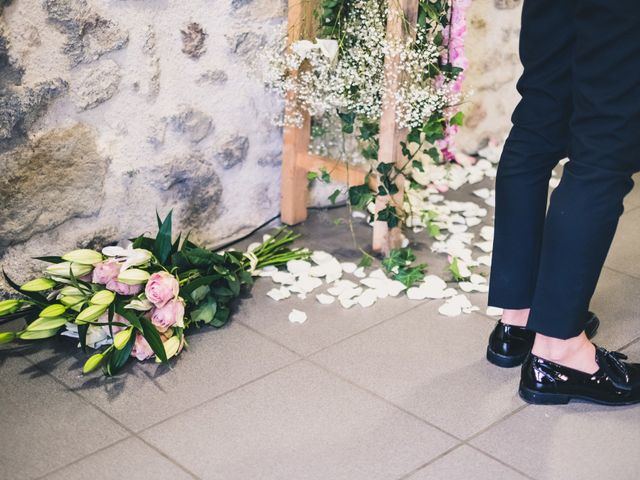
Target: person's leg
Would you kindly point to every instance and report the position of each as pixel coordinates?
(538, 140)
(605, 152)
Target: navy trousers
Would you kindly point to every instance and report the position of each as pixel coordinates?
(580, 99)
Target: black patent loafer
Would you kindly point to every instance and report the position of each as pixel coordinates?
(509, 345)
(615, 383)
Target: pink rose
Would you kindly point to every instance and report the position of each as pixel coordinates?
(106, 271)
(161, 288)
(141, 348)
(172, 314)
(104, 318)
(123, 288)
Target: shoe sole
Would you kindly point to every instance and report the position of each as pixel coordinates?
(505, 361)
(539, 398)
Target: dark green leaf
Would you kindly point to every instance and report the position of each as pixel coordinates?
(162, 244)
(118, 358)
(50, 259)
(153, 338)
(334, 196)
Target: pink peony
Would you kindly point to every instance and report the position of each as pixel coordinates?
(172, 314)
(123, 288)
(161, 288)
(106, 271)
(141, 348)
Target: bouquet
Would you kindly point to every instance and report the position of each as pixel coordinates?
(139, 301)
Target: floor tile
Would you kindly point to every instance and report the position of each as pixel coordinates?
(624, 255)
(130, 459)
(633, 199)
(465, 463)
(44, 425)
(299, 423)
(325, 324)
(433, 366)
(575, 441)
(615, 302)
(215, 362)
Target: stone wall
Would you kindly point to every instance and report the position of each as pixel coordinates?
(111, 109)
(494, 66)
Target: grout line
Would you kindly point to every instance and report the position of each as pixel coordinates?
(393, 317)
(132, 433)
(434, 459)
(385, 400)
(216, 397)
(496, 422)
(78, 460)
(502, 462)
(632, 342)
(620, 272)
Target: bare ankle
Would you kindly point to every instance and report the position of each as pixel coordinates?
(516, 317)
(577, 352)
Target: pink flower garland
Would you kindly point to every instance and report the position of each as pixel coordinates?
(454, 34)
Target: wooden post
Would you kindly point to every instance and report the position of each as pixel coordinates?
(401, 23)
(294, 184)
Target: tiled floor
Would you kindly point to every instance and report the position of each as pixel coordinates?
(395, 391)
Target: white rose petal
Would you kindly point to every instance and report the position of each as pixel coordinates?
(298, 267)
(367, 298)
(279, 293)
(325, 299)
(348, 267)
(297, 316)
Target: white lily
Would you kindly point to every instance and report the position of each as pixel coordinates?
(133, 257)
(139, 304)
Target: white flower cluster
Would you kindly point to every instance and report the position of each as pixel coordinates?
(347, 75)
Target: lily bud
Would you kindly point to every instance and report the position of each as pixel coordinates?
(71, 291)
(92, 362)
(6, 337)
(91, 313)
(171, 347)
(83, 257)
(65, 269)
(141, 305)
(134, 276)
(7, 307)
(72, 302)
(54, 310)
(46, 324)
(37, 335)
(103, 297)
(38, 285)
(121, 338)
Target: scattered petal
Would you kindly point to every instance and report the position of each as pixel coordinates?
(325, 299)
(297, 316)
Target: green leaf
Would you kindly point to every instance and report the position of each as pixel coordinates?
(333, 197)
(200, 293)
(311, 176)
(415, 136)
(162, 244)
(50, 259)
(366, 260)
(118, 358)
(130, 315)
(417, 164)
(153, 338)
(384, 167)
(325, 175)
(457, 119)
(37, 297)
(221, 317)
(360, 196)
(205, 312)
